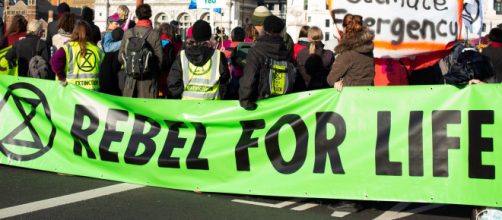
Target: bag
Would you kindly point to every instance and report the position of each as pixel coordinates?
(240, 54)
(470, 65)
(138, 56)
(38, 66)
(281, 75)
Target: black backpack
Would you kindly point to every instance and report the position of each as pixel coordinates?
(280, 77)
(470, 65)
(138, 56)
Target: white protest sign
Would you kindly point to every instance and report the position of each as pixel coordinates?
(473, 16)
(211, 3)
(405, 27)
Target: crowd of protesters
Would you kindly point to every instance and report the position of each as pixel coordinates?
(132, 58)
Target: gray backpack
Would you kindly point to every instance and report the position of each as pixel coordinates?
(38, 67)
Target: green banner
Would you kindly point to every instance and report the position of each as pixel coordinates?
(434, 144)
(5, 68)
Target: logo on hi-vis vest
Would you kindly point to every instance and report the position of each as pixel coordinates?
(89, 61)
(26, 136)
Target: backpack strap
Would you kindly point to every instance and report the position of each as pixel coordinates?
(36, 48)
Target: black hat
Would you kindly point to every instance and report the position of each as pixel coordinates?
(495, 35)
(201, 31)
(117, 34)
(273, 24)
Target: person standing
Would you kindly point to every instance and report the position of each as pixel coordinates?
(142, 74)
(88, 16)
(123, 12)
(109, 71)
(314, 62)
(65, 28)
(24, 50)
(268, 72)
(53, 26)
(494, 52)
(303, 42)
(79, 60)
(200, 72)
(354, 65)
(17, 30)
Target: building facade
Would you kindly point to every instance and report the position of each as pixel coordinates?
(236, 13)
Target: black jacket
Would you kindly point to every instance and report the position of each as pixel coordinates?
(52, 29)
(252, 85)
(23, 50)
(314, 69)
(109, 74)
(197, 56)
(495, 56)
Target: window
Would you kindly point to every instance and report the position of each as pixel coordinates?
(327, 22)
(305, 4)
(310, 19)
(497, 4)
(326, 36)
(185, 23)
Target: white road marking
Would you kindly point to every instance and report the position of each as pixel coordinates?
(340, 214)
(67, 199)
(392, 211)
(271, 205)
(304, 206)
(398, 215)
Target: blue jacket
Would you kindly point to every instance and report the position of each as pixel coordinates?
(109, 45)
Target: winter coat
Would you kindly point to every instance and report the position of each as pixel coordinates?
(13, 38)
(197, 56)
(302, 43)
(109, 74)
(147, 86)
(252, 83)
(494, 53)
(96, 33)
(314, 68)
(25, 49)
(354, 63)
(60, 39)
(52, 29)
(108, 44)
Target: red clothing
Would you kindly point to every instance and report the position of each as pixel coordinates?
(496, 44)
(144, 23)
(389, 72)
(296, 50)
(12, 38)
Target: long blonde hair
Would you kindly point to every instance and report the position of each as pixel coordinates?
(123, 12)
(314, 35)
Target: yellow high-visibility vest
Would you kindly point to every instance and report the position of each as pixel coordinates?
(201, 82)
(83, 70)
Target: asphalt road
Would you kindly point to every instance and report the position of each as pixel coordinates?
(30, 194)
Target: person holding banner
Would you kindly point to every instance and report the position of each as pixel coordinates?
(78, 61)
(354, 65)
(200, 72)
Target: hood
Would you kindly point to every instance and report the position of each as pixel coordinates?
(361, 42)
(272, 46)
(199, 55)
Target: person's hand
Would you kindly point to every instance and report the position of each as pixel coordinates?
(339, 85)
(475, 81)
(63, 83)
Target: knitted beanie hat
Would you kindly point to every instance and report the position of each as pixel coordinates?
(259, 15)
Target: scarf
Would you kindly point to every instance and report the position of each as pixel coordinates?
(144, 23)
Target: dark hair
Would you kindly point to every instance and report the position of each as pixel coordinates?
(63, 8)
(67, 22)
(354, 24)
(17, 25)
(81, 34)
(238, 34)
(167, 30)
(304, 31)
(144, 12)
(251, 32)
(87, 14)
(346, 19)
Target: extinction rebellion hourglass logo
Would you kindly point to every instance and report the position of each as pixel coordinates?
(25, 119)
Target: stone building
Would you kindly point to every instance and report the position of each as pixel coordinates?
(235, 13)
